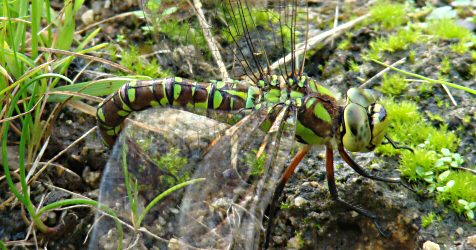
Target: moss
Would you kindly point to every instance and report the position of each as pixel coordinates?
(393, 43)
(344, 44)
(419, 165)
(429, 219)
(354, 66)
(445, 65)
(393, 84)
(174, 163)
(411, 56)
(390, 15)
(448, 29)
(408, 126)
(461, 47)
(463, 187)
(175, 30)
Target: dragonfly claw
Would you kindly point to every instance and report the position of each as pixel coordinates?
(381, 230)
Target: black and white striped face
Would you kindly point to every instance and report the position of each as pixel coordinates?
(364, 121)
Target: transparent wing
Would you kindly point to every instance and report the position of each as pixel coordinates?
(240, 167)
(240, 37)
(241, 170)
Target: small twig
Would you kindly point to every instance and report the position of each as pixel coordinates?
(122, 15)
(449, 94)
(300, 48)
(212, 44)
(61, 153)
(88, 57)
(473, 171)
(385, 70)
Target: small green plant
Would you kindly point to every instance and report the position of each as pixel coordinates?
(354, 66)
(131, 59)
(344, 44)
(429, 219)
(393, 84)
(468, 208)
(257, 164)
(390, 15)
(393, 43)
(448, 29)
(174, 163)
(461, 47)
(458, 190)
(445, 66)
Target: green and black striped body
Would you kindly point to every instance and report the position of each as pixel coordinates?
(320, 118)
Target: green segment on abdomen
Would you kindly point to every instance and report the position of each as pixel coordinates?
(175, 92)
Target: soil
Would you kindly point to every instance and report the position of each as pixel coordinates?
(310, 220)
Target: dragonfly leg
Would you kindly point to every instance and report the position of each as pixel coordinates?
(335, 196)
(273, 209)
(395, 144)
(363, 171)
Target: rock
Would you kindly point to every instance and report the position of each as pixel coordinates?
(88, 17)
(299, 201)
(294, 243)
(428, 245)
(472, 240)
(459, 230)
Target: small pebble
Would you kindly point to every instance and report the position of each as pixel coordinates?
(459, 231)
(314, 184)
(428, 245)
(294, 243)
(88, 17)
(299, 201)
(472, 240)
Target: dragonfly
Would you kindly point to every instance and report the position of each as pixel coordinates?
(243, 166)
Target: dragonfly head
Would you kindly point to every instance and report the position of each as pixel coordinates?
(364, 122)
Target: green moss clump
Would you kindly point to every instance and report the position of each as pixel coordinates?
(390, 15)
(429, 219)
(408, 126)
(445, 65)
(174, 163)
(419, 165)
(393, 85)
(392, 43)
(448, 29)
(433, 165)
(463, 187)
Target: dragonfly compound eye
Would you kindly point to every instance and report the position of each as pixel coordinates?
(378, 123)
(357, 135)
(365, 121)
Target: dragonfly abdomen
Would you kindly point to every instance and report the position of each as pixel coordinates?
(169, 92)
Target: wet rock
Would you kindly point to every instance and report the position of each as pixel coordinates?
(429, 245)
